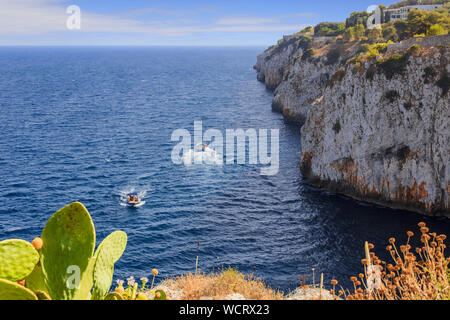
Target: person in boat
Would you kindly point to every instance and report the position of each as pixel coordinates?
(133, 198)
(201, 147)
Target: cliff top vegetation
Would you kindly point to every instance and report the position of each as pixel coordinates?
(415, 2)
(418, 22)
(338, 40)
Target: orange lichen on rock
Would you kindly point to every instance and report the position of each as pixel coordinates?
(415, 193)
(349, 169)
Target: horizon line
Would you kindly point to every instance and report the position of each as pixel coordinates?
(132, 45)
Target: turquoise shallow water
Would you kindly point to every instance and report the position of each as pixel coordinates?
(89, 124)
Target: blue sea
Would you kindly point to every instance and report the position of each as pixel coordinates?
(92, 124)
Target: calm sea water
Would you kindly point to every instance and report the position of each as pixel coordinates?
(90, 124)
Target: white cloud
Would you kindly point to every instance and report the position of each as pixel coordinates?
(33, 17)
(248, 20)
(245, 21)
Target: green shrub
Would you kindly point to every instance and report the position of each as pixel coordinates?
(381, 47)
(420, 22)
(396, 64)
(374, 34)
(436, 30)
(390, 34)
(415, 48)
(330, 29)
(357, 18)
(374, 50)
(402, 29)
(363, 48)
(372, 54)
(306, 30)
(355, 33)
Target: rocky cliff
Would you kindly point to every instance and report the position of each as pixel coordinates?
(384, 137)
(298, 78)
(376, 130)
(272, 63)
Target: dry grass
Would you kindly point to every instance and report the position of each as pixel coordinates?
(218, 285)
(422, 274)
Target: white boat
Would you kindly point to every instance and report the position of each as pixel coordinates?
(201, 154)
(134, 201)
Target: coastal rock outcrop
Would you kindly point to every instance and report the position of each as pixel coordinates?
(382, 133)
(303, 85)
(377, 130)
(298, 73)
(272, 63)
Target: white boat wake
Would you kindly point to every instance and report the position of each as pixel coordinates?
(202, 155)
(132, 190)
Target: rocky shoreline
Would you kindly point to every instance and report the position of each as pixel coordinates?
(377, 130)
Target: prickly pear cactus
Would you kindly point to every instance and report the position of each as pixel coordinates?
(84, 292)
(10, 290)
(108, 252)
(35, 281)
(114, 296)
(17, 259)
(161, 294)
(68, 244)
(41, 295)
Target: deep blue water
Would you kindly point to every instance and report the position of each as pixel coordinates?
(89, 124)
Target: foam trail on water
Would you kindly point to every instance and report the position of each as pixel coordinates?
(140, 191)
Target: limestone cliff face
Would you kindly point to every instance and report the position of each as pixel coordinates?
(298, 79)
(383, 135)
(303, 84)
(272, 63)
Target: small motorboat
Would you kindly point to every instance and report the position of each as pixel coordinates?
(201, 154)
(133, 200)
(201, 147)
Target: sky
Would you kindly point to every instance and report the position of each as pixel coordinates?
(165, 23)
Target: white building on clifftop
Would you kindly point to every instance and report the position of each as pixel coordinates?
(402, 13)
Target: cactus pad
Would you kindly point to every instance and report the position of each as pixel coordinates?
(17, 259)
(114, 296)
(68, 241)
(108, 252)
(10, 290)
(162, 295)
(84, 292)
(35, 281)
(41, 295)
